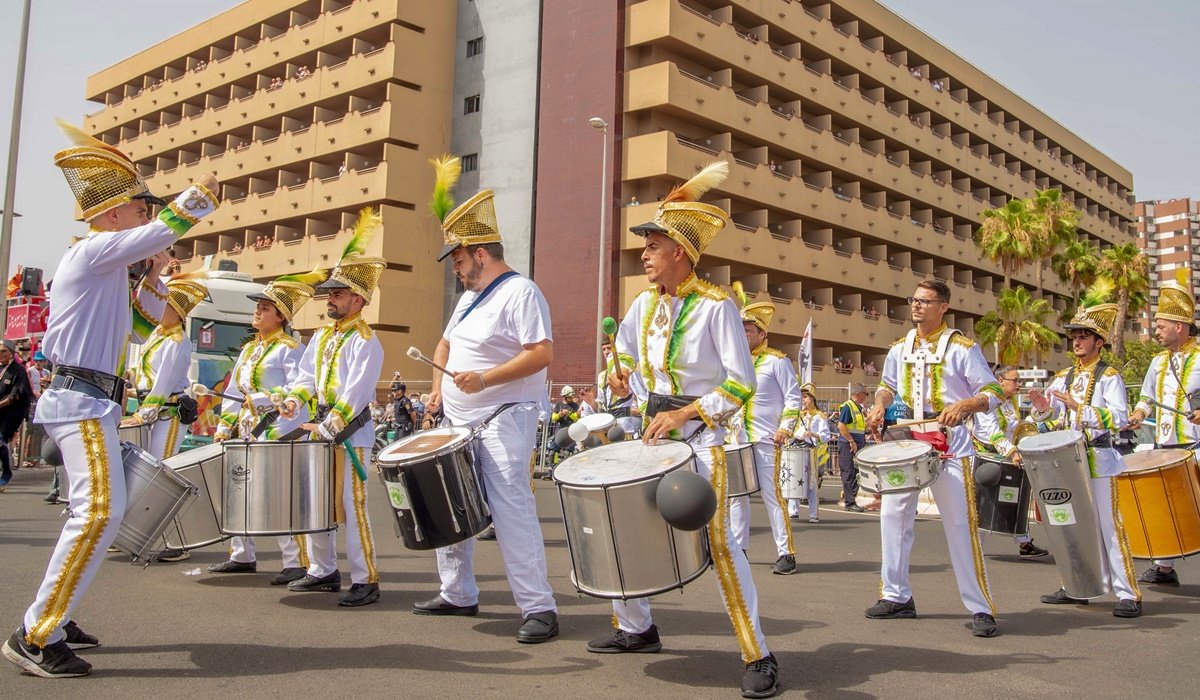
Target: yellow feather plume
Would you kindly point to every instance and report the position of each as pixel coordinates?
(312, 279)
(740, 293)
(1184, 277)
(79, 137)
(1099, 293)
(712, 175)
(446, 170)
(188, 276)
(369, 220)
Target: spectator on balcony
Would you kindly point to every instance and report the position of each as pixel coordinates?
(869, 368)
(342, 169)
(200, 65)
(633, 201)
(774, 168)
(302, 72)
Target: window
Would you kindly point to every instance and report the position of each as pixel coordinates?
(470, 162)
(472, 104)
(474, 47)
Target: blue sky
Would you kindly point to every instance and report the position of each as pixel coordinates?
(1115, 72)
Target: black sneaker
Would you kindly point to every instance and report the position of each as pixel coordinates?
(173, 555)
(51, 661)
(1158, 577)
(289, 574)
(359, 594)
(1029, 549)
(234, 567)
(51, 498)
(1128, 608)
(1060, 597)
(761, 678)
(855, 508)
(77, 638)
(785, 565)
(888, 610)
(983, 625)
(327, 584)
(621, 642)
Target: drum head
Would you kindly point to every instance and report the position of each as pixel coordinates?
(200, 454)
(424, 445)
(1045, 442)
(621, 463)
(892, 452)
(1151, 460)
(598, 421)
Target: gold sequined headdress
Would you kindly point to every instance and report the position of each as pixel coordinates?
(809, 388)
(289, 292)
(356, 272)
(1095, 313)
(759, 313)
(686, 221)
(100, 176)
(1175, 302)
(473, 222)
(185, 290)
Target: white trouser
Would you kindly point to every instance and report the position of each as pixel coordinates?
(293, 548)
(732, 570)
(1022, 539)
(1118, 564)
(766, 464)
(1165, 563)
(360, 544)
(96, 491)
(503, 451)
(954, 492)
(165, 437)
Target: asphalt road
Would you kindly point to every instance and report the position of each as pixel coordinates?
(173, 630)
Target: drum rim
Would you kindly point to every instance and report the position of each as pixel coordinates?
(862, 455)
(612, 420)
(463, 440)
(591, 453)
(1026, 446)
(217, 447)
(1130, 469)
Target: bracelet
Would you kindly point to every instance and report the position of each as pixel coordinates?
(482, 384)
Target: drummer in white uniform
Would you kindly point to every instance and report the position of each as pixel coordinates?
(812, 429)
(624, 409)
(766, 421)
(87, 335)
(267, 363)
(1172, 379)
(943, 375)
(690, 353)
(1090, 396)
(339, 370)
(498, 345)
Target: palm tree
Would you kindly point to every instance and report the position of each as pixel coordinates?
(1006, 236)
(1128, 268)
(1076, 264)
(1053, 221)
(1017, 326)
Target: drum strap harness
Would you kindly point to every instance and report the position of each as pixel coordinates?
(921, 359)
(1101, 367)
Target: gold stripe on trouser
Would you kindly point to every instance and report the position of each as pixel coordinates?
(172, 433)
(779, 499)
(85, 546)
(302, 543)
(615, 623)
(1123, 541)
(743, 627)
(364, 527)
(339, 475)
(973, 526)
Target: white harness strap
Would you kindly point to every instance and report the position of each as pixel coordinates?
(921, 358)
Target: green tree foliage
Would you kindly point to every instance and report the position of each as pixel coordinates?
(1017, 327)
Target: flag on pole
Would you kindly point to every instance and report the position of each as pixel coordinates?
(806, 355)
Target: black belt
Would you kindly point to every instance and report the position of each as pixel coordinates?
(98, 385)
(657, 403)
(622, 412)
(1102, 441)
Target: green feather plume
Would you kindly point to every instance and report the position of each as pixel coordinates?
(311, 279)
(369, 220)
(446, 170)
(1099, 293)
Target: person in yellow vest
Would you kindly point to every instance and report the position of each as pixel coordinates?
(852, 427)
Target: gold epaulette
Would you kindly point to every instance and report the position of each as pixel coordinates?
(897, 341)
(289, 342)
(960, 339)
(774, 353)
(1062, 373)
(364, 331)
(1165, 354)
(1111, 372)
(710, 291)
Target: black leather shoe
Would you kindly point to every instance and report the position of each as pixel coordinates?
(1156, 576)
(538, 628)
(291, 573)
(761, 678)
(1060, 597)
(326, 584)
(983, 625)
(890, 610)
(234, 567)
(359, 594)
(618, 641)
(1128, 608)
(440, 606)
(855, 508)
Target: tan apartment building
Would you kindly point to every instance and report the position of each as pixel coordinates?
(862, 153)
(1169, 232)
(307, 111)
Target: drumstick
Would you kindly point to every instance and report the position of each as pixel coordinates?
(1165, 407)
(416, 354)
(201, 390)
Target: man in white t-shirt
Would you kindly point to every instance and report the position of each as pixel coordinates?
(498, 346)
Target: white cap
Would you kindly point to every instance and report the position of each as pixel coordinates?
(567, 391)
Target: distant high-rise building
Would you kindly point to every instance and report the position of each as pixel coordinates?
(1169, 232)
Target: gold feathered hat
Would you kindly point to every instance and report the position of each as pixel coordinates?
(471, 223)
(809, 388)
(759, 313)
(355, 271)
(687, 221)
(100, 176)
(1095, 313)
(289, 292)
(1175, 302)
(185, 290)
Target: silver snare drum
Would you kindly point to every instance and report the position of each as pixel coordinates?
(154, 495)
(897, 466)
(620, 545)
(796, 464)
(278, 487)
(743, 477)
(200, 525)
(137, 435)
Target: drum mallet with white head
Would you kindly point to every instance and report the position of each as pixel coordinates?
(419, 356)
(200, 390)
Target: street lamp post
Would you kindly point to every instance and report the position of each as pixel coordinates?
(601, 126)
(10, 186)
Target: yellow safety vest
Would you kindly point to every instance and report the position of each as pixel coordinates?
(860, 422)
